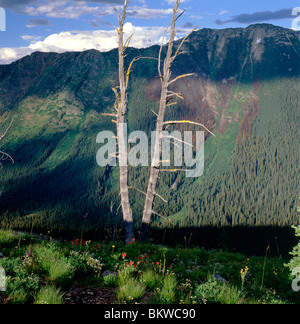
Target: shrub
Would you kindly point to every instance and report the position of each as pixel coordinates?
(208, 292)
(215, 292)
(95, 265)
(20, 285)
(10, 265)
(78, 261)
(110, 281)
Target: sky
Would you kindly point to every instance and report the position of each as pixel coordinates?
(75, 25)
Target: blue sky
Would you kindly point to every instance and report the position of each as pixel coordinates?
(63, 25)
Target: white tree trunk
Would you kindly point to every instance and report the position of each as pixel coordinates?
(121, 98)
(154, 174)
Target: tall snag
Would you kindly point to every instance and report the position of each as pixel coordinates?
(165, 99)
(121, 111)
(120, 115)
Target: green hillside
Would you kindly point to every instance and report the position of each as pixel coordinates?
(245, 90)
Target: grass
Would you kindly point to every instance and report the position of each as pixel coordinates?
(167, 293)
(130, 292)
(49, 295)
(40, 272)
(150, 279)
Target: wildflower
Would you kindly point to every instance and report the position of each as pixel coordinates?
(157, 263)
(124, 255)
(131, 263)
(244, 273)
(133, 240)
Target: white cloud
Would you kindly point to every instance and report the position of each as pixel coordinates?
(148, 13)
(172, 2)
(76, 9)
(8, 55)
(31, 38)
(63, 9)
(100, 40)
(223, 12)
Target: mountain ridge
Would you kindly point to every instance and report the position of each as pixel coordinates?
(245, 80)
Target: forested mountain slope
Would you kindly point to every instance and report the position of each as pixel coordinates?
(245, 90)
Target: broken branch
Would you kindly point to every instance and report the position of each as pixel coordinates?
(5, 157)
(8, 128)
(181, 77)
(157, 214)
(177, 139)
(181, 44)
(188, 122)
(159, 196)
(109, 115)
(172, 93)
(138, 190)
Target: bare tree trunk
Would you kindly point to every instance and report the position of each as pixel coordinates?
(166, 96)
(154, 174)
(121, 108)
(121, 104)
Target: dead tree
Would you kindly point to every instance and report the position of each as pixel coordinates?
(166, 97)
(120, 120)
(121, 109)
